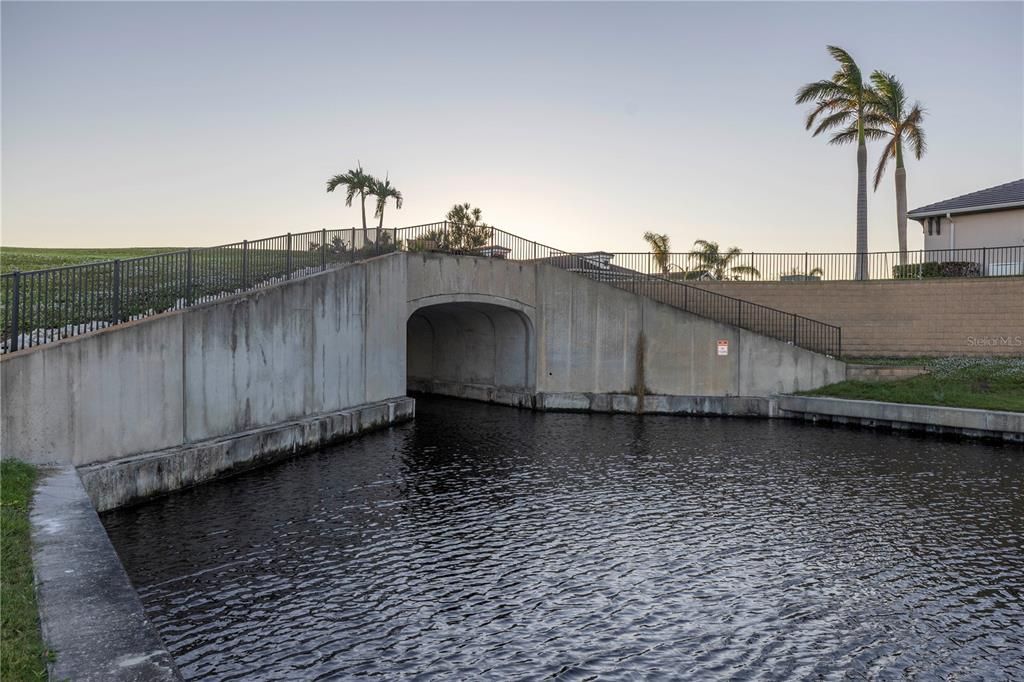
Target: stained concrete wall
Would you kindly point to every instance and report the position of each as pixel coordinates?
(590, 337)
(311, 346)
(337, 340)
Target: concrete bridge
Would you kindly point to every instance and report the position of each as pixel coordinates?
(180, 397)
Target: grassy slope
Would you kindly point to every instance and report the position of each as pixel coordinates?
(15, 258)
(22, 656)
(986, 384)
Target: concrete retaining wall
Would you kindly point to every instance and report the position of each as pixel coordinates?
(590, 337)
(316, 346)
(312, 346)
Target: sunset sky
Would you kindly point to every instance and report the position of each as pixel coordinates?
(579, 125)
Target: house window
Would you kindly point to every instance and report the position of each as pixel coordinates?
(938, 226)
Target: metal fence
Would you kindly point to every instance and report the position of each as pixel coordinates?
(41, 306)
(993, 261)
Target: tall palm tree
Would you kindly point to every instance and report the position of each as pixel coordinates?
(888, 117)
(712, 262)
(660, 249)
(384, 190)
(355, 182)
(841, 103)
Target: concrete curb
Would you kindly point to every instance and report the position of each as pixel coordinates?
(1008, 426)
(90, 614)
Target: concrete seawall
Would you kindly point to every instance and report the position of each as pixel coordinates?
(173, 400)
(308, 347)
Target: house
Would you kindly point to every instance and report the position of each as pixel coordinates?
(986, 218)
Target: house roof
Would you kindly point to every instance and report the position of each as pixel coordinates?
(597, 262)
(1009, 195)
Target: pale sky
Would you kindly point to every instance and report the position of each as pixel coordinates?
(579, 125)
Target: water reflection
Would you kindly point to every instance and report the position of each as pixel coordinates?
(486, 542)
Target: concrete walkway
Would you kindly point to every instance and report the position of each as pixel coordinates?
(90, 614)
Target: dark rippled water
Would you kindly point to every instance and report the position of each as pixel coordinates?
(483, 542)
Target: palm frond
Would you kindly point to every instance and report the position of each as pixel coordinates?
(833, 121)
(888, 152)
(745, 270)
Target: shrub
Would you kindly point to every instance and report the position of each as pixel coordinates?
(936, 269)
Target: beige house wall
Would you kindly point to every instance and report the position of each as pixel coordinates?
(974, 230)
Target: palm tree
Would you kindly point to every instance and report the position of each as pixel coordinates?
(660, 249)
(354, 181)
(384, 190)
(841, 103)
(887, 117)
(713, 263)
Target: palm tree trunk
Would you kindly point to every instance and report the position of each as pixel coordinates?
(862, 210)
(901, 211)
(362, 198)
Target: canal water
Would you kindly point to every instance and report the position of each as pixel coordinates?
(484, 542)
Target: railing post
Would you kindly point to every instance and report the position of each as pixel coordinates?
(189, 294)
(794, 330)
(807, 267)
(288, 258)
(15, 310)
(984, 261)
(115, 312)
(323, 248)
(245, 264)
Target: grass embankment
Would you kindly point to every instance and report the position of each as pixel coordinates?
(22, 655)
(983, 383)
(16, 258)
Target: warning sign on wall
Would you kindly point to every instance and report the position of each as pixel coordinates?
(723, 346)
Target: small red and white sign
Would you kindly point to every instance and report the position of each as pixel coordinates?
(723, 346)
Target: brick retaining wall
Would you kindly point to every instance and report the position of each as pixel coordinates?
(982, 316)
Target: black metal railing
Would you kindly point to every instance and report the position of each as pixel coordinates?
(41, 306)
(990, 261)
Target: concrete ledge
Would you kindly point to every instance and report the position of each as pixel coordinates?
(1007, 426)
(133, 479)
(89, 612)
(481, 392)
(734, 406)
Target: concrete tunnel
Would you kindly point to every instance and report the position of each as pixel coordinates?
(469, 345)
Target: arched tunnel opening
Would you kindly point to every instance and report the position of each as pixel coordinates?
(471, 350)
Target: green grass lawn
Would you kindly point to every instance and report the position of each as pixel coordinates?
(15, 258)
(984, 383)
(22, 656)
